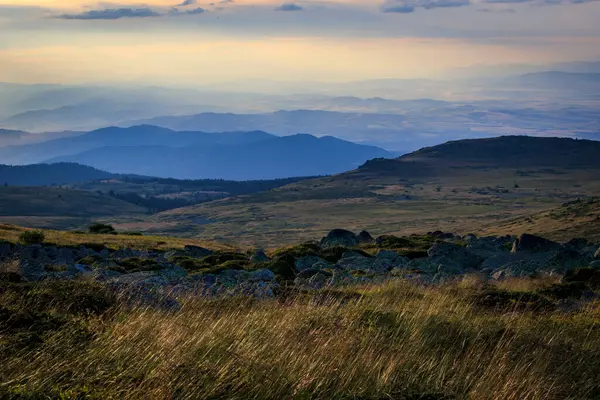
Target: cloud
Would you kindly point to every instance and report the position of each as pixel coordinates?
(195, 11)
(398, 9)
(118, 13)
(498, 11)
(113, 13)
(187, 3)
(289, 7)
(409, 6)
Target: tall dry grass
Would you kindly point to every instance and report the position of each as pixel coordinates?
(395, 341)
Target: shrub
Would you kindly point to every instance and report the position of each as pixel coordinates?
(135, 264)
(102, 229)
(32, 237)
(94, 246)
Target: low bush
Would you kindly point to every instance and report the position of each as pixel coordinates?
(102, 229)
(32, 237)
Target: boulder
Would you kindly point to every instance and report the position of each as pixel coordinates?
(453, 257)
(521, 268)
(387, 255)
(5, 249)
(589, 276)
(265, 275)
(576, 244)
(356, 262)
(259, 256)
(364, 237)
(339, 237)
(317, 281)
(101, 274)
(533, 244)
(196, 251)
(307, 262)
(595, 264)
(489, 246)
(258, 290)
(441, 235)
(32, 262)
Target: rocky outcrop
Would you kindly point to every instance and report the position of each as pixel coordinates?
(160, 279)
(310, 262)
(259, 256)
(364, 237)
(196, 251)
(533, 244)
(339, 237)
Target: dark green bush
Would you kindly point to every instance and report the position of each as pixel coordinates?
(135, 264)
(32, 237)
(102, 229)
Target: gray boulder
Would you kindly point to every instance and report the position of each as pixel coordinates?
(307, 262)
(259, 256)
(308, 273)
(364, 237)
(489, 246)
(196, 251)
(387, 255)
(339, 237)
(317, 281)
(5, 249)
(533, 244)
(32, 262)
(520, 268)
(453, 257)
(265, 275)
(356, 262)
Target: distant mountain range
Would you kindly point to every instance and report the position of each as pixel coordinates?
(271, 158)
(143, 135)
(160, 152)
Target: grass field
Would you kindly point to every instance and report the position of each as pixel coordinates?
(481, 201)
(11, 234)
(392, 341)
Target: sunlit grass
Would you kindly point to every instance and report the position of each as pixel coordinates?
(11, 233)
(396, 340)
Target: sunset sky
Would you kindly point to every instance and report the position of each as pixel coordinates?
(70, 41)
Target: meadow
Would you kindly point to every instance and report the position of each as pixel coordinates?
(397, 340)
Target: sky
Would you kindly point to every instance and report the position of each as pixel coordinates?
(191, 42)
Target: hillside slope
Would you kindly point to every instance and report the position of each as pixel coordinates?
(578, 218)
(59, 208)
(49, 174)
(461, 186)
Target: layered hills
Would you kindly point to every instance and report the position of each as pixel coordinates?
(160, 152)
(469, 185)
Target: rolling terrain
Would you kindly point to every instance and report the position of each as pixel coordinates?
(49, 174)
(52, 207)
(462, 186)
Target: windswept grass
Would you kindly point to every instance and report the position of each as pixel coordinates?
(11, 233)
(395, 341)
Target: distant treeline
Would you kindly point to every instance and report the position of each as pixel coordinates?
(216, 185)
(200, 191)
